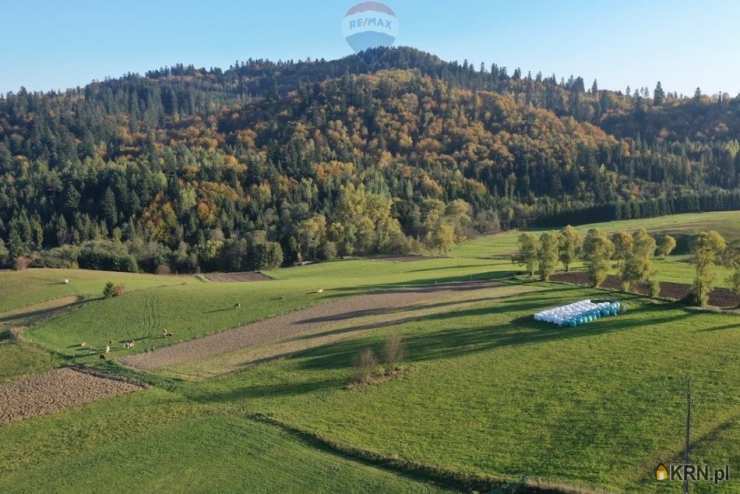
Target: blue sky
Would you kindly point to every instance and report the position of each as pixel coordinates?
(47, 44)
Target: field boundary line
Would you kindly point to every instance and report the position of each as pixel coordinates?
(83, 369)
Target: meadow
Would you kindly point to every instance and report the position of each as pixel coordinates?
(490, 392)
(485, 393)
(22, 289)
(155, 441)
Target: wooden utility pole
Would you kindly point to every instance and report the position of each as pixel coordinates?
(688, 437)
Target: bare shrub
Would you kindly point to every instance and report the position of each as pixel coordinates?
(393, 351)
(119, 290)
(163, 269)
(365, 366)
(22, 263)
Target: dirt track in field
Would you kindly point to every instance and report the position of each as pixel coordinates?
(54, 391)
(297, 323)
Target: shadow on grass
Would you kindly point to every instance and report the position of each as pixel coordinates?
(442, 268)
(735, 326)
(45, 313)
(264, 391)
(383, 324)
(46, 281)
(450, 283)
(387, 311)
(460, 341)
(455, 340)
(396, 310)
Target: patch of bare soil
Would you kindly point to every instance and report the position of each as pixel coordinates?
(720, 297)
(295, 324)
(54, 391)
(236, 277)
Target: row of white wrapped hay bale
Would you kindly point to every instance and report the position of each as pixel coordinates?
(579, 313)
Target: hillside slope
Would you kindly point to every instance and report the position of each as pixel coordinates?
(385, 151)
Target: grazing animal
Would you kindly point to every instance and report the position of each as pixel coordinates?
(83, 345)
(237, 306)
(166, 334)
(107, 348)
(102, 356)
(320, 291)
(66, 282)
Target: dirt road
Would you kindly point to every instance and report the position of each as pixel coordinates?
(297, 323)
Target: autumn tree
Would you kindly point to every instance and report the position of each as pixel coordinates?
(445, 225)
(623, 244)
(597, 252)
(442, 238)
(529, 247)
(311, 235)
(666, 245)
(458, 215)
(706, 250)
(547, 255)
(638, 265)
(571, 242)
(731, 260)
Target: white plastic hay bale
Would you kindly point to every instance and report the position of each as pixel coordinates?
(577, 313)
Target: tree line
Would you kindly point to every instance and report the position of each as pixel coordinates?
(630, 254)
(678, 203)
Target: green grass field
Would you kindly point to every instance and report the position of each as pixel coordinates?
(197, 309)
(486, 392)
(156, 442)
(490, 392)
(21, 289)
(17, 359)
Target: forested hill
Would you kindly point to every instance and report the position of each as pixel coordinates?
(391, 150)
